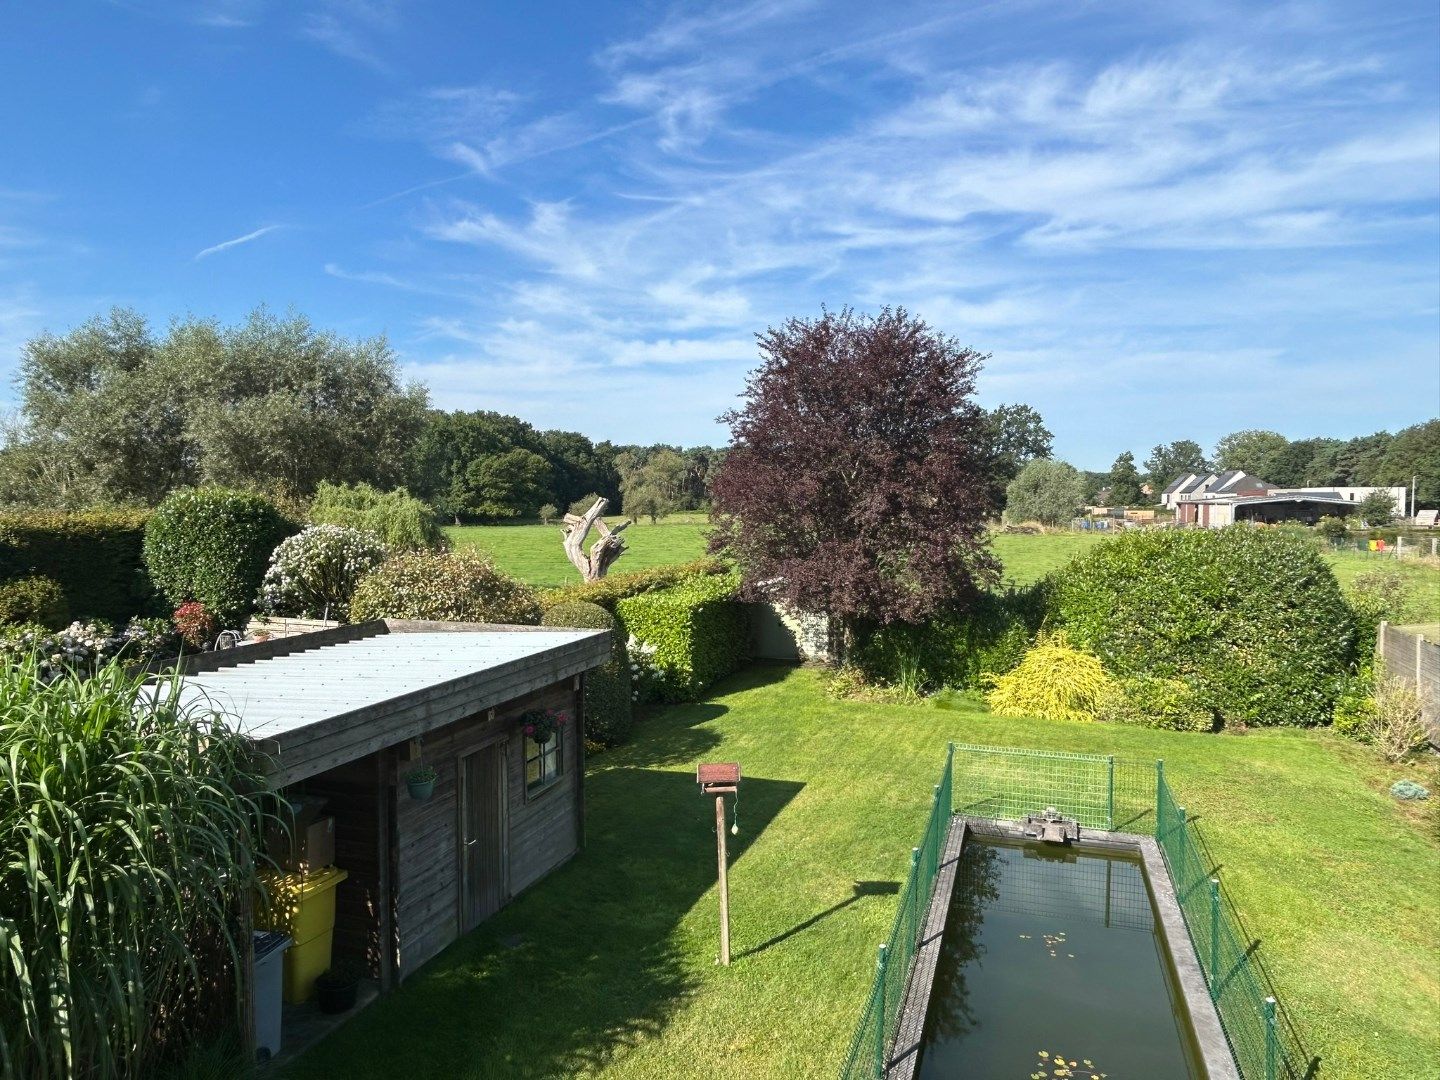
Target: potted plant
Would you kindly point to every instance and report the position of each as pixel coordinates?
(421, 782)
(541, 724)
(335, 989)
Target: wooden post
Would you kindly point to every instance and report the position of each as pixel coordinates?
(724, 880)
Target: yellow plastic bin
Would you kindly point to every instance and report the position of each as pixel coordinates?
(303, 906)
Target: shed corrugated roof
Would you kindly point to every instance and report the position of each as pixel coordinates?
(315, 705)
(285, 693)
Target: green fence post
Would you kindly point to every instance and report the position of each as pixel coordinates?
(1159, 800)
(1214, 939)
(880, 1017)
(1272, 1046)
(921, 895)
(1110, 796)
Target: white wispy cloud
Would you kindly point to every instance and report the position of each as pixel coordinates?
(226, 245)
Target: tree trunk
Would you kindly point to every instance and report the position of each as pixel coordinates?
(609, 547)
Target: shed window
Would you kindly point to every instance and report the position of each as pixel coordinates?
(543, 762)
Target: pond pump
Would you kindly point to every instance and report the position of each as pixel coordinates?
(1051, 826)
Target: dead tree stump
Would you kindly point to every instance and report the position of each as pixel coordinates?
(603, 552)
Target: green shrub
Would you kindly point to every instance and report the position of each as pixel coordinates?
(582, 505)
(1331, 528)
(33, 600)
(693, 634)
(609, 590)
(212, 545)
(314, 573)
(460, 586)
(609, 704)
(1376, 596)
(958, 649)
(95, 556)
(1253, 619)
(1147, 701)
(1054, 681)
(131, 829)
(1354, 708)
(401, 521)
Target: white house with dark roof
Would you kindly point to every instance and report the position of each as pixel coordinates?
(1218, 499)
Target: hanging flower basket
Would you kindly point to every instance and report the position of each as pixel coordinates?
(421, 783)
(540, 725)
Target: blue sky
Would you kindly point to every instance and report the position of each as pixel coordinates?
(1163, 220)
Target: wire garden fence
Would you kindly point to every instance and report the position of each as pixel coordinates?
(869, 1049)
(1101, 793)
(1262, 1045)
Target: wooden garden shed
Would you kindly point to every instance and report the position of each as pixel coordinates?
(344, 714)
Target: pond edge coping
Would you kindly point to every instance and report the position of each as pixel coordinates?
(1205, 1023)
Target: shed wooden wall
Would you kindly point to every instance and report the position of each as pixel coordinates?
(542, 832)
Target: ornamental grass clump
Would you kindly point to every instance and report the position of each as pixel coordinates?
(314, 573)
(1054, 681)
(129, 827)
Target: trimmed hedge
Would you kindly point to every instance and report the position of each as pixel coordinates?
(609, 591)
(460, 586)
(1252, 619)
(213, 545)
(35, 600)
(957, 650)
(95, 556)
(696, 631)
(609, 705)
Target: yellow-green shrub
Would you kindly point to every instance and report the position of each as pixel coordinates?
(1053, 681)
(1149, 701)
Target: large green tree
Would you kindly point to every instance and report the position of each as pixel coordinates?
(652, 484)
(1045, 491)
(1124, 481)
(1250, 450)
(271, 403)
(1014, 435)
(1170, 461)
(510, 484)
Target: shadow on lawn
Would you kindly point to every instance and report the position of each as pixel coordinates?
(585, 964)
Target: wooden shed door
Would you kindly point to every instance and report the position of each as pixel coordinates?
(482, 834)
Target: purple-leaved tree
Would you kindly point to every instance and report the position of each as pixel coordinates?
(855, 484)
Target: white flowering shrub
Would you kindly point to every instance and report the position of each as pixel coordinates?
(651, 680)
(83, 647)
(313, 574)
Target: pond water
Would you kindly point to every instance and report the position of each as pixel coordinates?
(1052, 965)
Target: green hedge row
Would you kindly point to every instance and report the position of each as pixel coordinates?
(95, 556)
(609, 591)
(691, 634)
(609, 704)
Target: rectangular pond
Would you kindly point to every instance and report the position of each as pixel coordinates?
(1052, 965)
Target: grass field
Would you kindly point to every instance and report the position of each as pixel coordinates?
(606, 969)
(533, 553)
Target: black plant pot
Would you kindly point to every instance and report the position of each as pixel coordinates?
(336, 997)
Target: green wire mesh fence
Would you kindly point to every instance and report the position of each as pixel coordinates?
(869, 1049)
(1101, 793)
(1004, 783)
(1263, 1047)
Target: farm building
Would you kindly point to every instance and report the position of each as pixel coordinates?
(1217, 499)
(345, 714)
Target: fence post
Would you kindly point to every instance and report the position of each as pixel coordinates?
(1272, 1046)
(880, 1017)
(1214, 939)
(1110, 796)
(949, 780)
(920, 895)
(1159, 800)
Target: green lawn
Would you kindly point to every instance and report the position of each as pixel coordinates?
(1423, 576)
(533, 552)
(606, 969)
